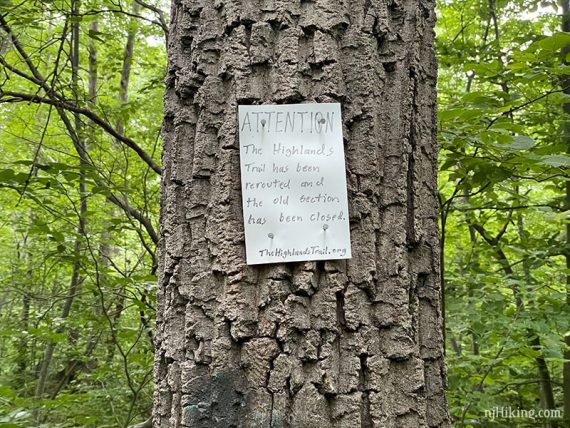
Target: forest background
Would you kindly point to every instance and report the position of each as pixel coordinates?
(81, 85)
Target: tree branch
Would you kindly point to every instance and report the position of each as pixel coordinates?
(525, 104)
(56, 99)
(136, 214)
(89, 114)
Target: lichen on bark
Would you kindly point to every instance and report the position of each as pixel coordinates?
(347, 343)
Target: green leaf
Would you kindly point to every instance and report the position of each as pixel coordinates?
(552, 43)
(556, 160)
(56, 236)
(6, 175)
(96, 35)
(522, 142)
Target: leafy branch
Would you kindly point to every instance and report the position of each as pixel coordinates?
(59, 101)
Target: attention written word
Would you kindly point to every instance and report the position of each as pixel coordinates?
(280, 121)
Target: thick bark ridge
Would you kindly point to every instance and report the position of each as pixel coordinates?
(354, 343)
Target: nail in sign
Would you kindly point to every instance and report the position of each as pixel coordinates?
(293, 182)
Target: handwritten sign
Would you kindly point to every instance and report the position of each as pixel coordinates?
(293, 182)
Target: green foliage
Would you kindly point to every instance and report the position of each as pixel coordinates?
(503, 167)
(78, 212)
(79, 208)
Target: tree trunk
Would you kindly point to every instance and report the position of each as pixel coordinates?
(345, 343)
(546, 391)
(106, 250)
(76, 280)
(565, 4)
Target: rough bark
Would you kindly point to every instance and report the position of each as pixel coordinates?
(354, 343)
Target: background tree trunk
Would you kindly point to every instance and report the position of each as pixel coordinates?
(565, 5)
(354, 343)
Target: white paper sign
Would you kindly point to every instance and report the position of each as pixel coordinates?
(293, 183)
